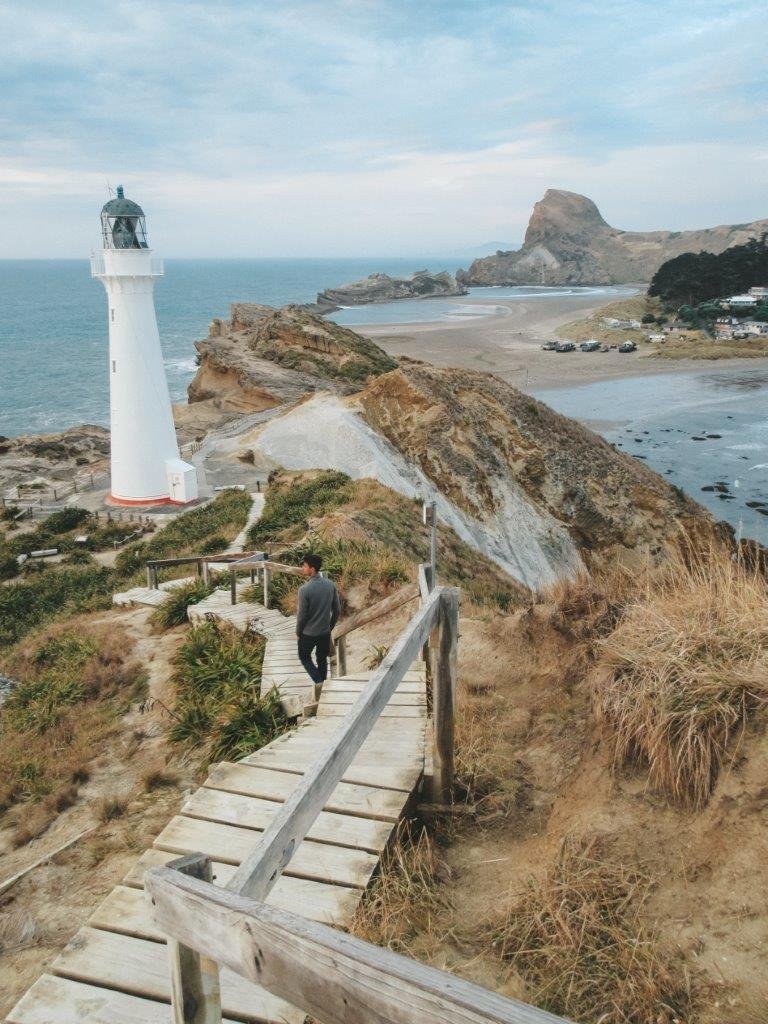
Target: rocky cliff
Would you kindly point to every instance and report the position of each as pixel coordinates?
(569, 242)
(262, 357)
(537, 493)
(383, 288)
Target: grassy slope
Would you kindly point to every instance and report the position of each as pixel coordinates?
(369, 537)
(612, 742)
(51, 592)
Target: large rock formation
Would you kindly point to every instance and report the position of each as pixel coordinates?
(383, 288)
(262, 357)
(539, 494)
(568, 242)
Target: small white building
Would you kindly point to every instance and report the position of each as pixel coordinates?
(742, 301)
(759, 292)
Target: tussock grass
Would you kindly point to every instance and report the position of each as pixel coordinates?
(111, 807)
(218, 701)
(159, 778)
(173, 611)
(404, 900)
(683, 671)
(577, 938)
(292, 507)
(73, 683)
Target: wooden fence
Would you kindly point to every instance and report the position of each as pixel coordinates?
(331, 975)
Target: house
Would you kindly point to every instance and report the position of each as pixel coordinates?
(741, 301)
(754, 328)
(657, 337)
(759, 292)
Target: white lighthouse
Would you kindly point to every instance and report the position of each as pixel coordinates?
(145, 464)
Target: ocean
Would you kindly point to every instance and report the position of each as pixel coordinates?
(704, 430)
(53, 325)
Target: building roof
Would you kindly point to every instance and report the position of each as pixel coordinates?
(122, 207)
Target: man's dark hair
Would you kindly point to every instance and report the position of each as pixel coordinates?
(315, 561)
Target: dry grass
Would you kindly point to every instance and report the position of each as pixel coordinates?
(577, 939)
(683, 671)
(404, 900)
(75, 680)
(111, 807)
(159, 778)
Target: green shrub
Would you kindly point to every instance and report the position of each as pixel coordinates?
(292, 506)
(218, 703)
(173, 610)
(66, 519)
(222, 519)
(79, 556)
(49, 595)
(215, 545)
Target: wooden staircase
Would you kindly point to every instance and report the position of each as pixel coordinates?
(115, 970)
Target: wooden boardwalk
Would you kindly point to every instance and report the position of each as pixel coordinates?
(115, 970)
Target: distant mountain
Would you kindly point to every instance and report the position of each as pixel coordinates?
(569, 242)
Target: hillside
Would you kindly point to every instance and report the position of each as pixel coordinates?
(569, 242)
(534, 491)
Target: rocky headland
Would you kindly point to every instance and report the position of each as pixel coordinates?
(383, 288)
(262, 357)
(569, 242)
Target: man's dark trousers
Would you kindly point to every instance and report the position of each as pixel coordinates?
(321, 645)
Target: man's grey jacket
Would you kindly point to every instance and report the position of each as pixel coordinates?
(319, 607)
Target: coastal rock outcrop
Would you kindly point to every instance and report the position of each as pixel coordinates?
(43, 460)
(383, 288)
(536, 492)
(569, 242)
(262, 357)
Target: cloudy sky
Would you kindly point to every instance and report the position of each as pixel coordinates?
(364, 127)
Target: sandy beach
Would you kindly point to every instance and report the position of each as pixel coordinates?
(509, 342)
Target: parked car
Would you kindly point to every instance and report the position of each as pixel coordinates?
(590, 346)
(565, 346)
(627, 346)
(549, 346)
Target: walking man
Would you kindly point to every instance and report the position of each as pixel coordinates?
(317, 614)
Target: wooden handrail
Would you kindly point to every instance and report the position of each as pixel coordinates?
(260, 870)
(376, 611)
(339, 977)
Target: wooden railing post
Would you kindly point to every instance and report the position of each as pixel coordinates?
(444, 695)
(206, 573)
(267, 578)
(341, 655)
(233, 586)
(195, 994)
(149, 577)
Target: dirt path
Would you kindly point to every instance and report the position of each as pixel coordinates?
(40, 913)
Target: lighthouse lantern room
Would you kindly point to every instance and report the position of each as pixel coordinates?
(145, 465)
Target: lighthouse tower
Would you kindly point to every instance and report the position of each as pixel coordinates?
(145, 464)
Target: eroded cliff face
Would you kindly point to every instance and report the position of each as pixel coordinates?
(383, 288)
(475, 437)
(537, 493)
(262, 357)
(569, 242)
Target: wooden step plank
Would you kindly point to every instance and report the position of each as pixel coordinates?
(231, 844)
(53, 1000)
(354, 686)
(339, 710)
(125, 911)
(328, 904)
(140, 968)
(256, 813)
(250, 780)
(399, 778)
(398, 700)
